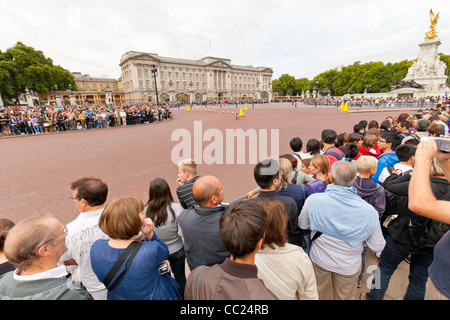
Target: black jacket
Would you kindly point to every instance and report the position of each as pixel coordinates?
(294, 232)
(410, 228)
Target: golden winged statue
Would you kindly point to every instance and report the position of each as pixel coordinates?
(434, 19)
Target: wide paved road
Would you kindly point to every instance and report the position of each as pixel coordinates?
(36, 171)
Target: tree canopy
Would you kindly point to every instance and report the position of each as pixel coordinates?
(24, 67)
(356, 78)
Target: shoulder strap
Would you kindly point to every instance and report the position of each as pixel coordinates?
(197, 274)
(294, 180)
(316, 235)
(130, 252)
(332, 153)
(274, 278)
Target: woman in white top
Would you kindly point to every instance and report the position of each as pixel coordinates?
(164, 213)
(285, 268)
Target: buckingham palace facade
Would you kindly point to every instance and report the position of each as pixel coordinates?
(189, 81)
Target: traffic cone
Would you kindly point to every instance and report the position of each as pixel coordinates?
(223, 111)
(228, 112)
(346, 107)
(187, 109)
(246, 108)
(342, 106)
(241, 113)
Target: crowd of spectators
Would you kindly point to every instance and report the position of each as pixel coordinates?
(318, 234)
(406, 101)
(19, 120)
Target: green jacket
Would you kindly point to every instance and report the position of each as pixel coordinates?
(45, 289)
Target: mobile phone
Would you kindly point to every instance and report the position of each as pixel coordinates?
(163, 268)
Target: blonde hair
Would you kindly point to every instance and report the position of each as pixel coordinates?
(285, 167)
(188, 165)
(364, 163)
(120, 219)
(435, 168)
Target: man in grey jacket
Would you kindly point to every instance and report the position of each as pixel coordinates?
(34, 246)
(200, 224)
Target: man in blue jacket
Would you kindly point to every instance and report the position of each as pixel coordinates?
(387, 142)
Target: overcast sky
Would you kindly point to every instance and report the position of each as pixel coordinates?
(301, 38)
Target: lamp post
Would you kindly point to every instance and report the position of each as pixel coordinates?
(155, 73)
(317, 91)
(171, 93)
(58, 97)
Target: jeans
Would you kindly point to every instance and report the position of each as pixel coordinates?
(177, 265)
(393, 254)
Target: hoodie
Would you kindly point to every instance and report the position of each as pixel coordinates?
(372, 193)
(387, 159)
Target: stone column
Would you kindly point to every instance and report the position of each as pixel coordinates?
(108, 97)
(73, 100)
(29, 98)
(59, 100)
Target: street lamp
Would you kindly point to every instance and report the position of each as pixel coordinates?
(155, 73)
(317, 91)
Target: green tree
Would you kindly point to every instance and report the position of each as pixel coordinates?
(24, 67)
(285, 85)
(446, 60)
(371, 76)
(301, 85)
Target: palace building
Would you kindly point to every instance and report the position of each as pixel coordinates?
(177, 80)
(189, 81)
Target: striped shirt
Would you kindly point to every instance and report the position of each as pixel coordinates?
(184, 193)
(337, 255)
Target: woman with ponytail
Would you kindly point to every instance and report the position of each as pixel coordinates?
(319, 168)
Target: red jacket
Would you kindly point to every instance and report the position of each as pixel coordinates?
(365, 152)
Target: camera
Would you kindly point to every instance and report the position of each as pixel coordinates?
(443, 144)
(163, 268)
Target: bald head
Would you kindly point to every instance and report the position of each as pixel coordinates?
(26, 238)
(207, 191)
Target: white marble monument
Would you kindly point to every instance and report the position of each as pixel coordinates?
(428, 70)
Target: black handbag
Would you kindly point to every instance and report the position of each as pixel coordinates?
(130, 252)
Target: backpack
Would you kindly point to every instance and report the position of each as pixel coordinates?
(410, 228)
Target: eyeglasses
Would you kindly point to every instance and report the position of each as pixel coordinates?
(75, 198)
(64, 232)
(382, 141)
